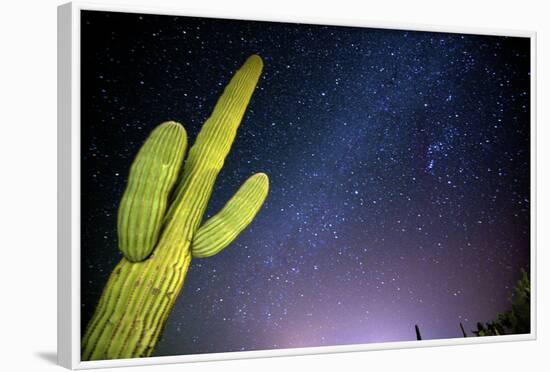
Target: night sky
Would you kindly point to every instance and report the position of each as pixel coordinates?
(398, 165)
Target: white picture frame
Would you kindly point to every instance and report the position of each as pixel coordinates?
(69, 190)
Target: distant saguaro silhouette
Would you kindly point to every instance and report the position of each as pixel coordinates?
(463, 331)
(418, 336)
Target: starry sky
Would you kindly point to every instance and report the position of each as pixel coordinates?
(399, 175)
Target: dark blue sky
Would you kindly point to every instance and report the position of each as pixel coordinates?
(398, 165)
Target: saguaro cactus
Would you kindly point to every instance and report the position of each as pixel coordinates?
(159, 239)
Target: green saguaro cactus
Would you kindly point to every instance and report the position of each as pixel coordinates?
(159, 224)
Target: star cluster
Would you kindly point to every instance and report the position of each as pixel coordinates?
(399, 175)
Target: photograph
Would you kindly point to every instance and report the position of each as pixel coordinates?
(253, 185)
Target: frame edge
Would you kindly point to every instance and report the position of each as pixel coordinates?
(64, 189)
(68, 212)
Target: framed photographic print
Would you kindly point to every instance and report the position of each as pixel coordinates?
(235, 188)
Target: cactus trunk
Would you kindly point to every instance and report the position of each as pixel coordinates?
(135, 304)
(143, 287)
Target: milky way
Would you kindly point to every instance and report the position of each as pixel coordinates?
(398, 165)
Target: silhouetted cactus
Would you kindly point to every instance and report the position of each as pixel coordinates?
(463, 331)
(516, 321)
(417, 330)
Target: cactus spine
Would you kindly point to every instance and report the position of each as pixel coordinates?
(144, 285)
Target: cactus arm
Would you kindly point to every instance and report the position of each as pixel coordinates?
(152, 176)
(221, 229)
